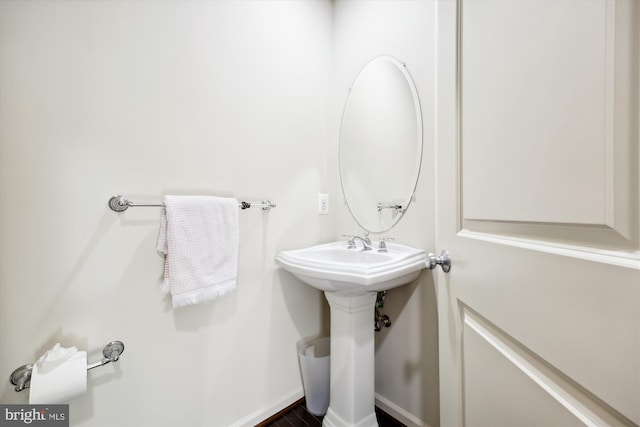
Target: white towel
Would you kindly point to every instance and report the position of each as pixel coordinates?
(199, 235)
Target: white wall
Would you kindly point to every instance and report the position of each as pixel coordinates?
(215, 97)
(407, 352)
(146, 99)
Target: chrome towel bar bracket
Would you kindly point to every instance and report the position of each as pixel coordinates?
(121, 204)
(21, 377)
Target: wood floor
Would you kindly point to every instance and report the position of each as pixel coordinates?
(296, 415)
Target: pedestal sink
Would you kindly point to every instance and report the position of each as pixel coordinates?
(350, 279)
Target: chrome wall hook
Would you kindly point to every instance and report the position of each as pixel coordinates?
(443, 261)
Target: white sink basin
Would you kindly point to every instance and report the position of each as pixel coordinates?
(334, 268)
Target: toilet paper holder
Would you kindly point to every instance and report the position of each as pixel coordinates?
(21, 377)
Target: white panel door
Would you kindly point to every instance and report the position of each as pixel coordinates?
(539, 203)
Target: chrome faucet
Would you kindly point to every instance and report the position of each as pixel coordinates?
(366, 242)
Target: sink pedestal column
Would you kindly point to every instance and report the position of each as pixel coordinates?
(352, 386)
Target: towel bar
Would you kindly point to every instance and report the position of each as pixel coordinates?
(21, 377)
(121, 204)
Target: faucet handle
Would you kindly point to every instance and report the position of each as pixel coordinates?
(351, 242)
(382, 245)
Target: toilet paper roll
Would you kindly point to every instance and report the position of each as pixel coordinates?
(65, 381)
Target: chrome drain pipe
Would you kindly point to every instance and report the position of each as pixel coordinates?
(380, 319)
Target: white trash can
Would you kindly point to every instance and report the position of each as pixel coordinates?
(314, 364)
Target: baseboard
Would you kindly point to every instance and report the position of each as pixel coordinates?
(256, 417)
(398, 413)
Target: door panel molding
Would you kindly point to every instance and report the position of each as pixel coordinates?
(613, 228)
(619, 258)
(597, 235)
(575, 399)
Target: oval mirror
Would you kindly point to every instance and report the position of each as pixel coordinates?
(380, 146)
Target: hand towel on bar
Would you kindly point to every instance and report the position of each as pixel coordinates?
(199, 236)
